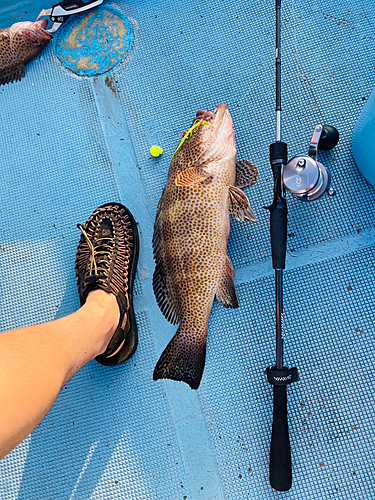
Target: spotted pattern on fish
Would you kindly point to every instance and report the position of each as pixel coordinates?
(18, 45)
(190, 242)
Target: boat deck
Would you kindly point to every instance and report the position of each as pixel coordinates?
(71, 143)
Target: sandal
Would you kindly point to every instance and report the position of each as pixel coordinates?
(107, 257)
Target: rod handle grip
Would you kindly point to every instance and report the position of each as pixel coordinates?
(278, 226)
(280, 457)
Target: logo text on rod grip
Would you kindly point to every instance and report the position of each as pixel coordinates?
(285, 376)
(282, 379)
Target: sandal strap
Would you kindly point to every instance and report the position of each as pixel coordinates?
(103, 260)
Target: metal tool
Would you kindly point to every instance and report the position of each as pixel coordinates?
(61, 11)
(307, 180)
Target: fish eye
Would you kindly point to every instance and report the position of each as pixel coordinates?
(37, 43)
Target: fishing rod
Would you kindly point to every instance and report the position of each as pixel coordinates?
(307, 180)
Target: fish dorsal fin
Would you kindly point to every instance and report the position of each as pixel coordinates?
(164, 295)
(12, 75)
(193, 175)
(163, 288)
(246, 173)
(239, 205)
(226, 293)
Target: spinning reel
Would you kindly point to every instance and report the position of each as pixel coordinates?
(304, 176)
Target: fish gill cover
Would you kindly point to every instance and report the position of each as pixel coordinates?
(94, 43)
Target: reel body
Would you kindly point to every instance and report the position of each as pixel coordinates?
(304, 176)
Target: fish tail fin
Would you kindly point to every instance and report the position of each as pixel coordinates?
(183, 359)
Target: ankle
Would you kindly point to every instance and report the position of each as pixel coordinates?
(103, 306)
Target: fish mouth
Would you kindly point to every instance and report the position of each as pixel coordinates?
(222, 137)
(221, 115)
(222, 133)
(43, 24)
(206, 115)
(216, 118)
(223, 124)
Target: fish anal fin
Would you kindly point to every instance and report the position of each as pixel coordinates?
(246, 173)
(239, 205)
(226, 293)
(12, 75)
(183, 359)
(193, 175)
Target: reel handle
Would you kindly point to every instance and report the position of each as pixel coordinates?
(329, 138)
(280, 456)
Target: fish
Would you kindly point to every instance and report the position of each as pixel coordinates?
(191, 231)
(18, 45)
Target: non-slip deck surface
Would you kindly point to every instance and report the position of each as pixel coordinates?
(114, 433)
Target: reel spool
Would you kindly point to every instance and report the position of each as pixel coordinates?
(303, 176)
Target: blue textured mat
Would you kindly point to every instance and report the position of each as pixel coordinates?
(70, 144)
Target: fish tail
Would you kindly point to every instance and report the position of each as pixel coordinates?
(183, 359)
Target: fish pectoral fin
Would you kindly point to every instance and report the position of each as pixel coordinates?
(239, 205)
(12, 75)
(193, 175)
(226, 293)
(246, 173)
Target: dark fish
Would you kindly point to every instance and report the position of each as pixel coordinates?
(18, 45)
(190, 238)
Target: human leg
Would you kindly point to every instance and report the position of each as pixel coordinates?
(36, 361)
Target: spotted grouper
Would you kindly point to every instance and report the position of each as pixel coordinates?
(190, 238)
(18, 45)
